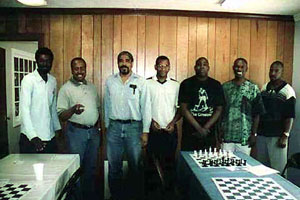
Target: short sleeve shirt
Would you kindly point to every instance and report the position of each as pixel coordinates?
(280, 105)
(242, 103)
(201, 96)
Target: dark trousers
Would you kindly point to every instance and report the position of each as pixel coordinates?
(161, 149)
(27, 147)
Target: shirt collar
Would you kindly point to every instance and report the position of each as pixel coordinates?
(156, 79)
(38, 76)
(78, 83)
(133, 75)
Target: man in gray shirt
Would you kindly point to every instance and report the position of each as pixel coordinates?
(79, 104)
(127, 119)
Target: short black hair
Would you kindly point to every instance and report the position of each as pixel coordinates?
(240, 59)
(125, 53)
(77, 58)
(160, 58)
(201, 58)
(45, 51)
(278, 63)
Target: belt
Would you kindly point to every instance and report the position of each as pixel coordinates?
(81, 126)
(127, 121)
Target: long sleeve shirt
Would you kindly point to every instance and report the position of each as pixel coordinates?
(127, 101)
(38, 107)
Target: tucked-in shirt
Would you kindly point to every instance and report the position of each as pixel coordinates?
(38, 107)
(242, 103)
(127, 101)
(85, 93)
(280, 105)
(164, 99)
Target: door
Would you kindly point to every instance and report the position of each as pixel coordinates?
(3, 111)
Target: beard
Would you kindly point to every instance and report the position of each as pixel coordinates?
(43, 69)
(124, 70)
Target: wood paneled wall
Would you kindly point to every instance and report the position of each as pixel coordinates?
(99, 39)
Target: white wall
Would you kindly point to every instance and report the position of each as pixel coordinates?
(13, 132)
(294, 175)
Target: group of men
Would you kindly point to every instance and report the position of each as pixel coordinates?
(142, 114)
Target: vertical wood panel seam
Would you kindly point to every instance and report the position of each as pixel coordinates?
(121, 33)
(113, 42)
(188, 54)
(159, 35)
(137, 44)
(215, 49)
(63, 38)
(81, 30)
(93, 62)
(266, 52)
(176, 49)
(145, 52)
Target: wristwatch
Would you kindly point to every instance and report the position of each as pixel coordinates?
(287, 134)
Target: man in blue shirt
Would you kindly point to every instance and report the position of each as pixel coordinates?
(127, 119)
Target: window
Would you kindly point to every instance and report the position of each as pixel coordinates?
(23, 63)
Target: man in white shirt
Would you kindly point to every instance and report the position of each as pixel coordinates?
(127, 119)
(39, 120)
(162, 142)
(79, 104)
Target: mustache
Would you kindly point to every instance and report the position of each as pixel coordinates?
(124, 66)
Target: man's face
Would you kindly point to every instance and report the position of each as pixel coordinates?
(202, 68)
(163, 68)
(125, 64)
(79, 70)
(275, 72)
(240, 69)
(44, 64)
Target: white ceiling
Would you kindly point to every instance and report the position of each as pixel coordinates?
(277, 7)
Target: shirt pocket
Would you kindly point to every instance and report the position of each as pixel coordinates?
(133, 94)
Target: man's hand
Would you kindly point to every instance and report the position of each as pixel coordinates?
(38, 143)
(78, 108)
(201, 132)
(252, 140)
(170, 127)
(155, 126)
(144, 139)
(281, 143)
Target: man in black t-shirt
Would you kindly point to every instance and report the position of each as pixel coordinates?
(275, 125)
(201, 99)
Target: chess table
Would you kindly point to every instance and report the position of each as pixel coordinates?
(198, 183)
(16, 171)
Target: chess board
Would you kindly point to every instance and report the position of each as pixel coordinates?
(217, 161)
(251, 188)
(13, 191)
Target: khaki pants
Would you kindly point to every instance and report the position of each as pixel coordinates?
(269, 154)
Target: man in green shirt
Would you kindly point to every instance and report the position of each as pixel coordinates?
(243, 107)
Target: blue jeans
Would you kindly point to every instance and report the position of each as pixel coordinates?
(125, 137)
(85, 142)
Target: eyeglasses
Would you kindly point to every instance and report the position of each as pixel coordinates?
(163, 66)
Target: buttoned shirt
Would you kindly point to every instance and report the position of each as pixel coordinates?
(38, 107)
(164, 100)
(127, 101)
(85, 93)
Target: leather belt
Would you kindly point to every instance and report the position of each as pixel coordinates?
(127, 121)
(81, 126)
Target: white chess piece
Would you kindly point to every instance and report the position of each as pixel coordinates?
(195, 154)
(200, 153)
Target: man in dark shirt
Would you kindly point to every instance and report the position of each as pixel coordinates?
(201, 99)
(275, 125)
